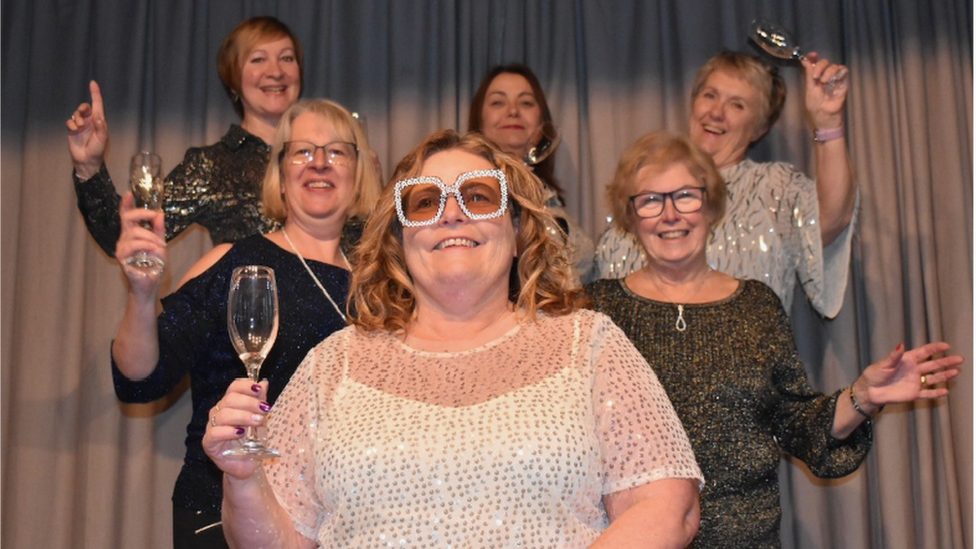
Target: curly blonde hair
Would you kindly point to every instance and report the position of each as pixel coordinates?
(382, 294)
(661, 150)
(367, 183)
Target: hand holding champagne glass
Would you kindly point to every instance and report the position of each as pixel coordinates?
(252, 321)
(147, 190)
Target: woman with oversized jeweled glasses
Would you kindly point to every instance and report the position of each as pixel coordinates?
(473, 402)
(723, 350)
(314, 201)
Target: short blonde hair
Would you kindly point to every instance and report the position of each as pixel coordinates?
(761, 76)
(381, 291)
(233, 53)
(661, 150)
(367, 184)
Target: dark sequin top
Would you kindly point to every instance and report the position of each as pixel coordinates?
(193, 339)
(741, 392)
(217, 186)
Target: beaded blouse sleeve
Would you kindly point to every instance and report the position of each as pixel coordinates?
(822, 271)
(295, 425)
(641, 437)
(801, 418)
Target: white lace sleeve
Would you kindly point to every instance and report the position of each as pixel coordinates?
(294, 429)
(641, 437)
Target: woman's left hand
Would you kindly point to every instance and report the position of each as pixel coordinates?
(904, 376)
(826, 91)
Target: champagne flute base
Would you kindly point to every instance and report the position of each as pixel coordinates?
(146, 264)
(253, 450)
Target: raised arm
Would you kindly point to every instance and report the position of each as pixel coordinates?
(902, 376)
(825, 112)
(136, 346)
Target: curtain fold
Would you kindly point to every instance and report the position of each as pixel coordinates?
(80, 470)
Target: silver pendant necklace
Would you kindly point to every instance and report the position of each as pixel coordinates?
(680, 323)
(315, 278)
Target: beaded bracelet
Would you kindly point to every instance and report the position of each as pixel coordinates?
(823, 136)
(857, 407)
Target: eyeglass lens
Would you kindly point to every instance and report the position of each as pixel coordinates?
(422, 202)
(337, 153)
(684, 200)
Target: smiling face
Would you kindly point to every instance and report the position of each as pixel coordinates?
(511, 116)
(672, 240)
(726, 116)
(319, 189)
(455, 254)
(270, 80)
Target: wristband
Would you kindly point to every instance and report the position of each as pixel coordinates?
(823, 136)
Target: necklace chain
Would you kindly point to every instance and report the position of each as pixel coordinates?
(315, 278)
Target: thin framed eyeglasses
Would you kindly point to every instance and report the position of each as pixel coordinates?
(651, 204)
(481, 194)
(337, 153)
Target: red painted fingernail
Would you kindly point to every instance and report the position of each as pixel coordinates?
(264, 406)
(239, 431)
(256, 388)
(899, 347)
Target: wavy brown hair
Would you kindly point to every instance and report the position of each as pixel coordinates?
(661, 150)
(382, 292)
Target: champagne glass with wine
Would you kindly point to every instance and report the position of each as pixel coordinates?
(252, 321)
(147, 189)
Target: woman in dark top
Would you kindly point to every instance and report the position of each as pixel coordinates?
(217, 186)
(511, 110)
(724, 352)
(313, 194)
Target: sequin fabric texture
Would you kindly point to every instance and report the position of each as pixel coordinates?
(511, 444)
(770, 233)
(741, 392)
(580, 245)
(218, 186)
(193, 339)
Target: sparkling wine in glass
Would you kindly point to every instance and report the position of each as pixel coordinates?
(252, 321)
(778, 42)
(147, 189)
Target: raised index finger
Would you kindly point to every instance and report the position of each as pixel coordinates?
(98, 110)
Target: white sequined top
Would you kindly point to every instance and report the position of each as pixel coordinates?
(770, 233)
(511, 444)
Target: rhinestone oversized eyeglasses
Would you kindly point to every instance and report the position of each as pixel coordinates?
(337, 153)
(650, 204)
(481, 194)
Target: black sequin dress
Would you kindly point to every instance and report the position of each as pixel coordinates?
(193, 339)
(217, 186)
(741, 392)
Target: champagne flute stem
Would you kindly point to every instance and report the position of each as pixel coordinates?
(253, 373)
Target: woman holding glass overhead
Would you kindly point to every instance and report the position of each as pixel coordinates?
(472, 403)
(323, 177)
(511, 110)
(217, 186)
(780, 226)
(724, 352)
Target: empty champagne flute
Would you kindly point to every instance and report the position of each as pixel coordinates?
(778, 42)
(252, 321)
(147, 189)
(543, 149)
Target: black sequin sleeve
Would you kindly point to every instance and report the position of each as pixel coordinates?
(99, 206)
(802, 418)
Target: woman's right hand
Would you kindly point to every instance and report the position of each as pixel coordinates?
(88, 135)
(243, 405)
(136, 238)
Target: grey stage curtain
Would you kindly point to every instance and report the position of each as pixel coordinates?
(79, 470)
